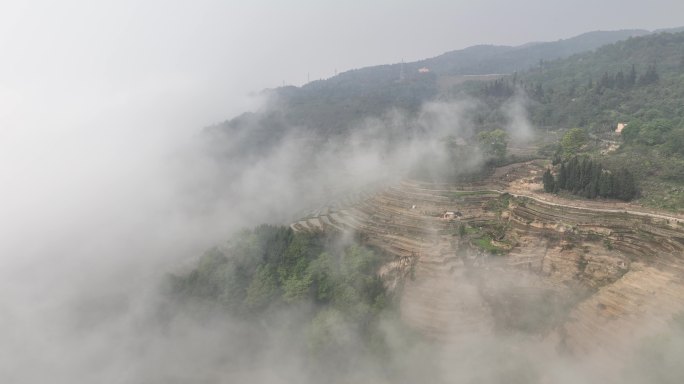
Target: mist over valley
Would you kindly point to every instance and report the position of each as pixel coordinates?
(182, 201)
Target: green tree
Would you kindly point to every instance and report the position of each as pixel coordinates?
(572, 141)
(675, 141)
(651, 76)
(562, 177)
(494, 143)
(549, 181)
(631, 132)
(626, 184)
(263, 288)
(605, 188)
(655, 131)
(632, 76)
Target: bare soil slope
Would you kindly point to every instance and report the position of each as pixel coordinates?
(581, 277)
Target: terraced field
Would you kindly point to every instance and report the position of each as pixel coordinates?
(584, 280)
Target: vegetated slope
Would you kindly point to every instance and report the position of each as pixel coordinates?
(588, 282)
(638, 82)
(504, 277)
(637, 78)
(317, 294)
(485, 59)
(332, 106)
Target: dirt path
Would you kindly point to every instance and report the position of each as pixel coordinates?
(524, 179)
(595, 207)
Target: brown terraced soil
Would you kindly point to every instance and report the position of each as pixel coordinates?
(577, 277)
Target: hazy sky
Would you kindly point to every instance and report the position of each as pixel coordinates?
(191, 61)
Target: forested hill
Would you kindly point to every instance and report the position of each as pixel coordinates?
(639, 83)
(637, 78)
(331, 106)
(480, 60)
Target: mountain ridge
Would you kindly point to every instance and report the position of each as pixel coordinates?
(333, 105)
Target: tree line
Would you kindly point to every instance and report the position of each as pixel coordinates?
(587, 178)
(620, 80)
(328, 281)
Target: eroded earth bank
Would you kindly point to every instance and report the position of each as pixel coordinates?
(498, 262)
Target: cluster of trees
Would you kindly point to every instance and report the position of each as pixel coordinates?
(330, 283)
(653, 148)
(587, 178)
(651, 76)
(656, 132)
(620, 80)
(273, 265)
(571, 143)
(499, 88)
(595, 90)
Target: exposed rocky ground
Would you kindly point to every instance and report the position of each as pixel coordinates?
(581, 277)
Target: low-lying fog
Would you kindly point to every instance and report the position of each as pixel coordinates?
(106, 184)
(96, 214)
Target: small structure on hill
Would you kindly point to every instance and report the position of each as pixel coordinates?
(620, 127)
(424, 70)
(451, 215)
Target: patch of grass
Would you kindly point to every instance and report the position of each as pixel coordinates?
(472, 230)
(662, 195)
(485, 243)
(660, 175)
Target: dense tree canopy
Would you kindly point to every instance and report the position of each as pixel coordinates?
(572, 141)
(589, 179)
(330, 282)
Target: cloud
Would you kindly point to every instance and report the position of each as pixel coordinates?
(518, 124)
(99, 217)
(98, 209)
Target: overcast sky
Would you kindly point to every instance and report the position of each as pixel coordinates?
(193, 61)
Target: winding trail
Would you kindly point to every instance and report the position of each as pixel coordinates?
(532, 196)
